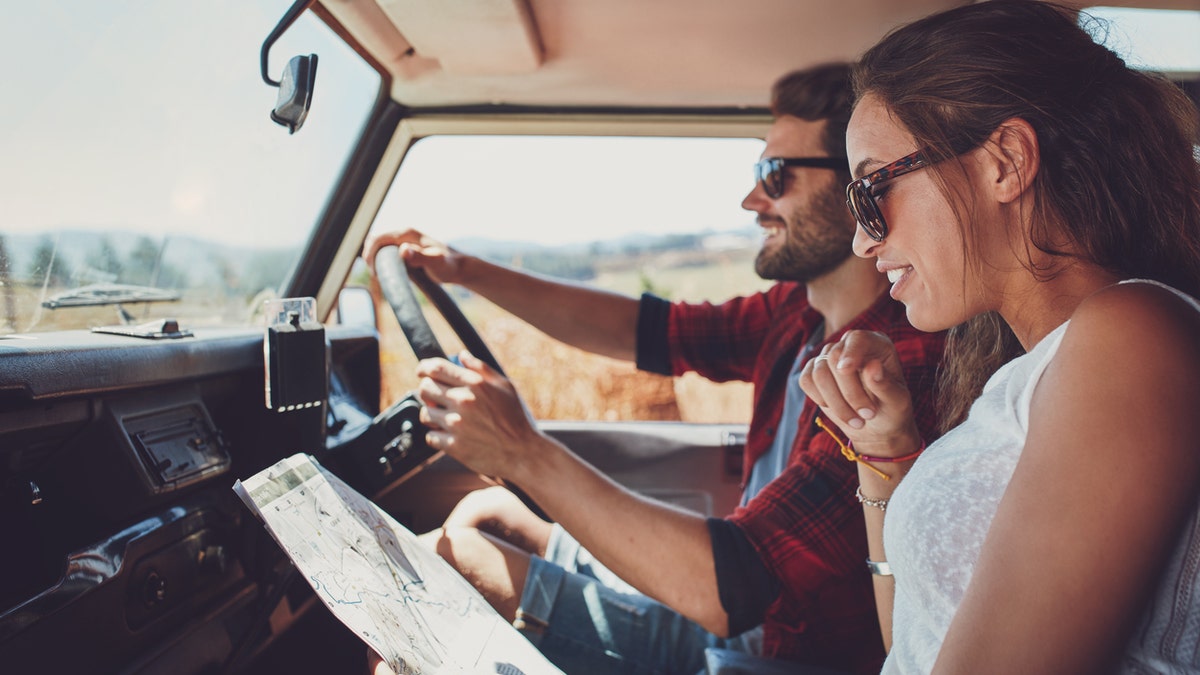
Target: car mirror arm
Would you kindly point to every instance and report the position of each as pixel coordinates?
(299, 76)
(289, 17)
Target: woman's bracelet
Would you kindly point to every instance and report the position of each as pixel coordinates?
(849, 453)
(880, 504)
(858, 457)
(879, 568)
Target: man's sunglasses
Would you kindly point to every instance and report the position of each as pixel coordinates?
(769, 170)
(860, 194)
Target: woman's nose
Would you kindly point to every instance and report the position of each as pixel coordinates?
(864, 246)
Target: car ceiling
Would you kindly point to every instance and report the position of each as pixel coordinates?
(626, 53)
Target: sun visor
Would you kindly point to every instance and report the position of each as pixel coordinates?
(470, 37)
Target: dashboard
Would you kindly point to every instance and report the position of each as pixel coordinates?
(117, 458)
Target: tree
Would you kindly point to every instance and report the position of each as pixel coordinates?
(46, 266)
(6, 286)
(103, 263)
(142, 263)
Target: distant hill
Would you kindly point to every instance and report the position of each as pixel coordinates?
(633, 243)
(583, 261)
(189, 261)
(198, 263)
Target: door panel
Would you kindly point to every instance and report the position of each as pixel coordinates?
(695, 466)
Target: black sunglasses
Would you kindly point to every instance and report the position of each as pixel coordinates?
(860, 194)
(769, 170)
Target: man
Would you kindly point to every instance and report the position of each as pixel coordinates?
(791, 558)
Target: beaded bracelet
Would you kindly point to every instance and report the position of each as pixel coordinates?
(880, 504)
(848, 452)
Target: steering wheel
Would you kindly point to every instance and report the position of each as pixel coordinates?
(394, 277)
(394, 282)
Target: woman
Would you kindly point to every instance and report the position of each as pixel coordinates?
(1042, 181)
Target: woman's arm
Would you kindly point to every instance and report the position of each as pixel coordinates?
(876, 492)
(1109, 474)
(859, 384)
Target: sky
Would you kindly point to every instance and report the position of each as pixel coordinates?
(150, 116)
(114, 121)
(569, 190)
(1165, 40)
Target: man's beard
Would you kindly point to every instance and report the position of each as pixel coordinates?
(814, 243)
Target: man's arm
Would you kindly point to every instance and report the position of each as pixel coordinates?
(595, 320)
(664, 552)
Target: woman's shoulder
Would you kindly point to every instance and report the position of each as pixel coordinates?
(1146, 318)
(1129, 355)
(1140, 304)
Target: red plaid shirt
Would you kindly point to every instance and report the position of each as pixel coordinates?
(806, 525)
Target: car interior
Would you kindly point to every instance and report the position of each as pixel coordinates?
(132, 398)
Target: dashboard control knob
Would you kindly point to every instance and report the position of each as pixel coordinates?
(154, 589)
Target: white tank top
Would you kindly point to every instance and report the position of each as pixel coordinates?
(938, 518)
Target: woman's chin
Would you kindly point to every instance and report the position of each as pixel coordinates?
(925, 321)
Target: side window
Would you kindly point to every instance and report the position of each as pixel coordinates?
(626, 214)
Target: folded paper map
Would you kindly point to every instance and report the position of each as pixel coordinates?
(401, 598)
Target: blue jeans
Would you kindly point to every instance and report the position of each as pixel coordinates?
(588, 621)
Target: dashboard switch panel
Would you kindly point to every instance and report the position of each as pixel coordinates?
(177, 446)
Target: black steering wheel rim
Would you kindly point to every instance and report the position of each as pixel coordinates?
(394, 282)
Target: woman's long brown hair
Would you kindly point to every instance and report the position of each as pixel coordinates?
(1118, 183)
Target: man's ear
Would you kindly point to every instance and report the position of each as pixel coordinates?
(1016, 156)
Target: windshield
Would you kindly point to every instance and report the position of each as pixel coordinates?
(143, 178)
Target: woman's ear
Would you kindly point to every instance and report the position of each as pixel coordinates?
(1013, 148)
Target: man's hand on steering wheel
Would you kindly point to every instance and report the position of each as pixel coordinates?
(476, 415)
(419, 251)
(394, 275)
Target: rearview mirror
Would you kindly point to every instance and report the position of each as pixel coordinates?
(296, 84)
(295, 92)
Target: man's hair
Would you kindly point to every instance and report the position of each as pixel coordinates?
(819, 93)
